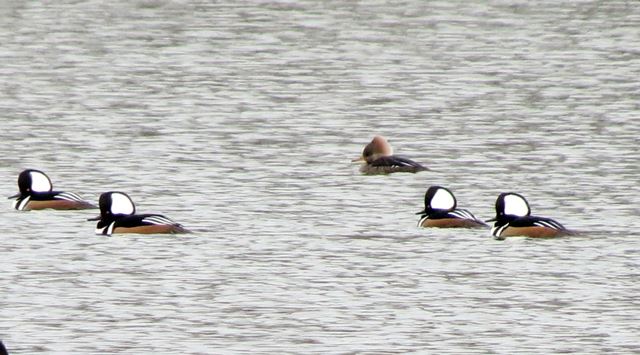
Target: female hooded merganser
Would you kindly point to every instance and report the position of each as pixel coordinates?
(513, 218)
(379, 159)
(440, 211)
(117, 215)
(36, 194)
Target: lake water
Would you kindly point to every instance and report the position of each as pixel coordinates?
(240, 119)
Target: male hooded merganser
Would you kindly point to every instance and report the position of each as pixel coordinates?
(117, 215)
(36, 194)
(379, 159)
(440, 211)
(513, 218)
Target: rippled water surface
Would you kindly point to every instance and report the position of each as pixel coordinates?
(240, 119)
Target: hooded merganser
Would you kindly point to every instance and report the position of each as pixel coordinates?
(117, 215)
(36, 194)
(513, 218)
(379, 159)
(440, 211)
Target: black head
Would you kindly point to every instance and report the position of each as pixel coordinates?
(33, 181)
(438, 198)
(115, 203)
(511, 204)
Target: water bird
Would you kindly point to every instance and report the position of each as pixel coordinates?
(36, 193)
(117, 215)
(378, 158)
(440, 211)
(513, 218)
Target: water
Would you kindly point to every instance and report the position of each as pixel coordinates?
(240, 121)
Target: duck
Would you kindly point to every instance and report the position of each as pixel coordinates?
(377, 158)
(117, 216)
(36, 193)
(513, 218)
(440, 210)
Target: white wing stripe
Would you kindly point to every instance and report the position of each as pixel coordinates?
(69, 196)
(463, 214)
(158, 220)
(541, 224)
(547, 224)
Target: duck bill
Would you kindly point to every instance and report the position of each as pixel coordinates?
(492, 219)
(422, 212)
(94, 218)
(357, 160)
(15, 196)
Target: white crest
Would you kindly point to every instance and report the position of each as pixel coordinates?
(40, 182)
(121, 204)
(443, 200)
(516, 205)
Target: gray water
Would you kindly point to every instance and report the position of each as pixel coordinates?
(240, 119)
